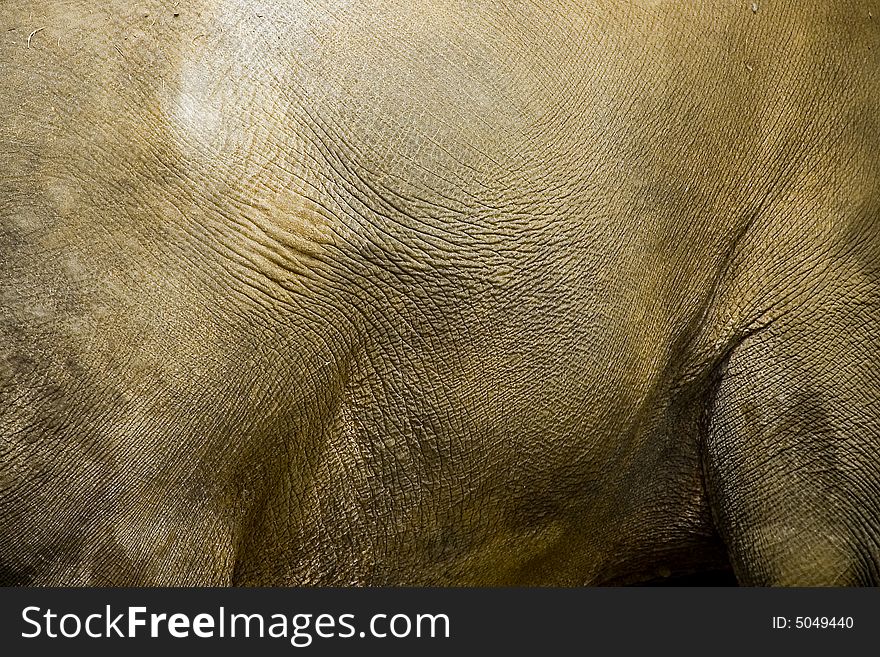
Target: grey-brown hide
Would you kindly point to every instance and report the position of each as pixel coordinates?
(439, 292)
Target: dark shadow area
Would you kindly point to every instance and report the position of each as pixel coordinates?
(711, 578)
(10, 577)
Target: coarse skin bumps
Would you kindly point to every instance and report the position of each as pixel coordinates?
(427, 293)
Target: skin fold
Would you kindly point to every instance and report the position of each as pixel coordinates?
(439, 293)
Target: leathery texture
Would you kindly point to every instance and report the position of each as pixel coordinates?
(439, 293)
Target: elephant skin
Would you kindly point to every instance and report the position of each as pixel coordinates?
(487, 293)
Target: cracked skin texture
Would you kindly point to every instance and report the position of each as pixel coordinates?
(439, 293)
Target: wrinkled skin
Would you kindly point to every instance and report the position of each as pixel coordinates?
(308, 292)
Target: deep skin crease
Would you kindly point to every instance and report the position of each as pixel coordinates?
(439, 293)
